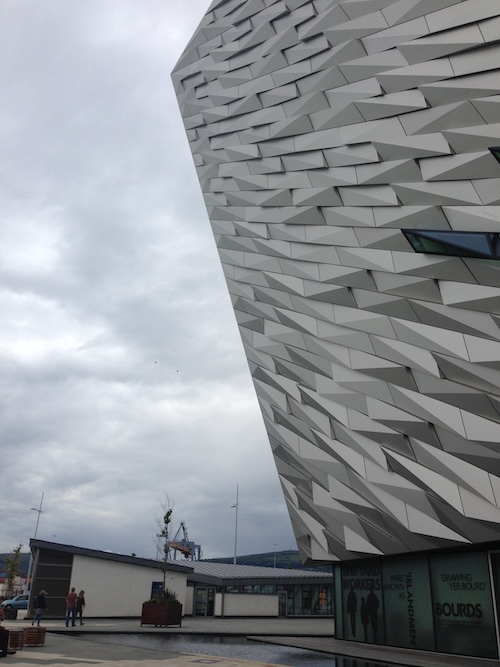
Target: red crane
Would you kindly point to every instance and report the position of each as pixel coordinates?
(183, 544)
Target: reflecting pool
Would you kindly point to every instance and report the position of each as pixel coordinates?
(239, 648)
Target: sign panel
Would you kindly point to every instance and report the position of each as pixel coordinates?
(462, 604)
(156, 589)
(362, 602)
(407, 603)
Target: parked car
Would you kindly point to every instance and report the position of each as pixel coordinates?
(19, 602)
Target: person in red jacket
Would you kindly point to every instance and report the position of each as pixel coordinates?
(71, 598)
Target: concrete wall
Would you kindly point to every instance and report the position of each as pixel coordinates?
(119, 589)
(234, 604)
(188, 608)
(18, 588)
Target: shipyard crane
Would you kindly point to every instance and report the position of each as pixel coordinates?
(182, 544)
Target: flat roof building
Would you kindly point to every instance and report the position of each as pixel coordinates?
(116, 585)
(348, 151)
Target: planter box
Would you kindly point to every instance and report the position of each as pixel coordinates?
(161, 613)
(34, 636)
(16, 639)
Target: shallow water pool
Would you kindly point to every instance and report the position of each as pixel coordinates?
(239, 648)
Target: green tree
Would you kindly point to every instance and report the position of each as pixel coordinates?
(163, 536)
(13, 567)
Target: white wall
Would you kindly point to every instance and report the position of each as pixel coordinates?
(119, 589)
(234, 604)
(188, 608)
(18, 588)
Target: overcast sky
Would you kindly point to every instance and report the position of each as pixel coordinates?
(123, 376)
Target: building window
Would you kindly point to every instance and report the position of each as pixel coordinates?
(253, 589)
(234, 589)
(495, 150)
(483, 245)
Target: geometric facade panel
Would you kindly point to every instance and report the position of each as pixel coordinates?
(329, 136)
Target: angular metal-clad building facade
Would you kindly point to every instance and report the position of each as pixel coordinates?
(348, 154)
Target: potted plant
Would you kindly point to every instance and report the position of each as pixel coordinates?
(163, 610)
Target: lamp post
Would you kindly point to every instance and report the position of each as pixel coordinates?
(40, 511)
(30, 568)
(275, 545)
(235, 506)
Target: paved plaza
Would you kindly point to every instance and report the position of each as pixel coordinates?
(75, 647)
(84, 646)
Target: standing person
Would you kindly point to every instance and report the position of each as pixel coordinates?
(71, 606)
(40, 607)
(80, 604)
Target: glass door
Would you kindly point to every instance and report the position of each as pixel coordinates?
(283, 604)
(204, 601)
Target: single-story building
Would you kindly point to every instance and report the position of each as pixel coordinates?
(220, 589)
(116, 585)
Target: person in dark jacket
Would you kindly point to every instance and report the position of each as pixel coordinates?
(40, 607)
(4, 637)
(80, 604)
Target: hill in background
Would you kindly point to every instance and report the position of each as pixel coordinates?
(284, 559)
(24, 562)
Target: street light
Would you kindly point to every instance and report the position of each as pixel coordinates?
(39, 510)
(30, 568)
(275, 545)
(235, 506)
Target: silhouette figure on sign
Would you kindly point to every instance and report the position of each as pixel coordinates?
(372, 605)
(352, 606)
(364, 617)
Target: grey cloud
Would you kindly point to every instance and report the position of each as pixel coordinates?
(122, 373)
